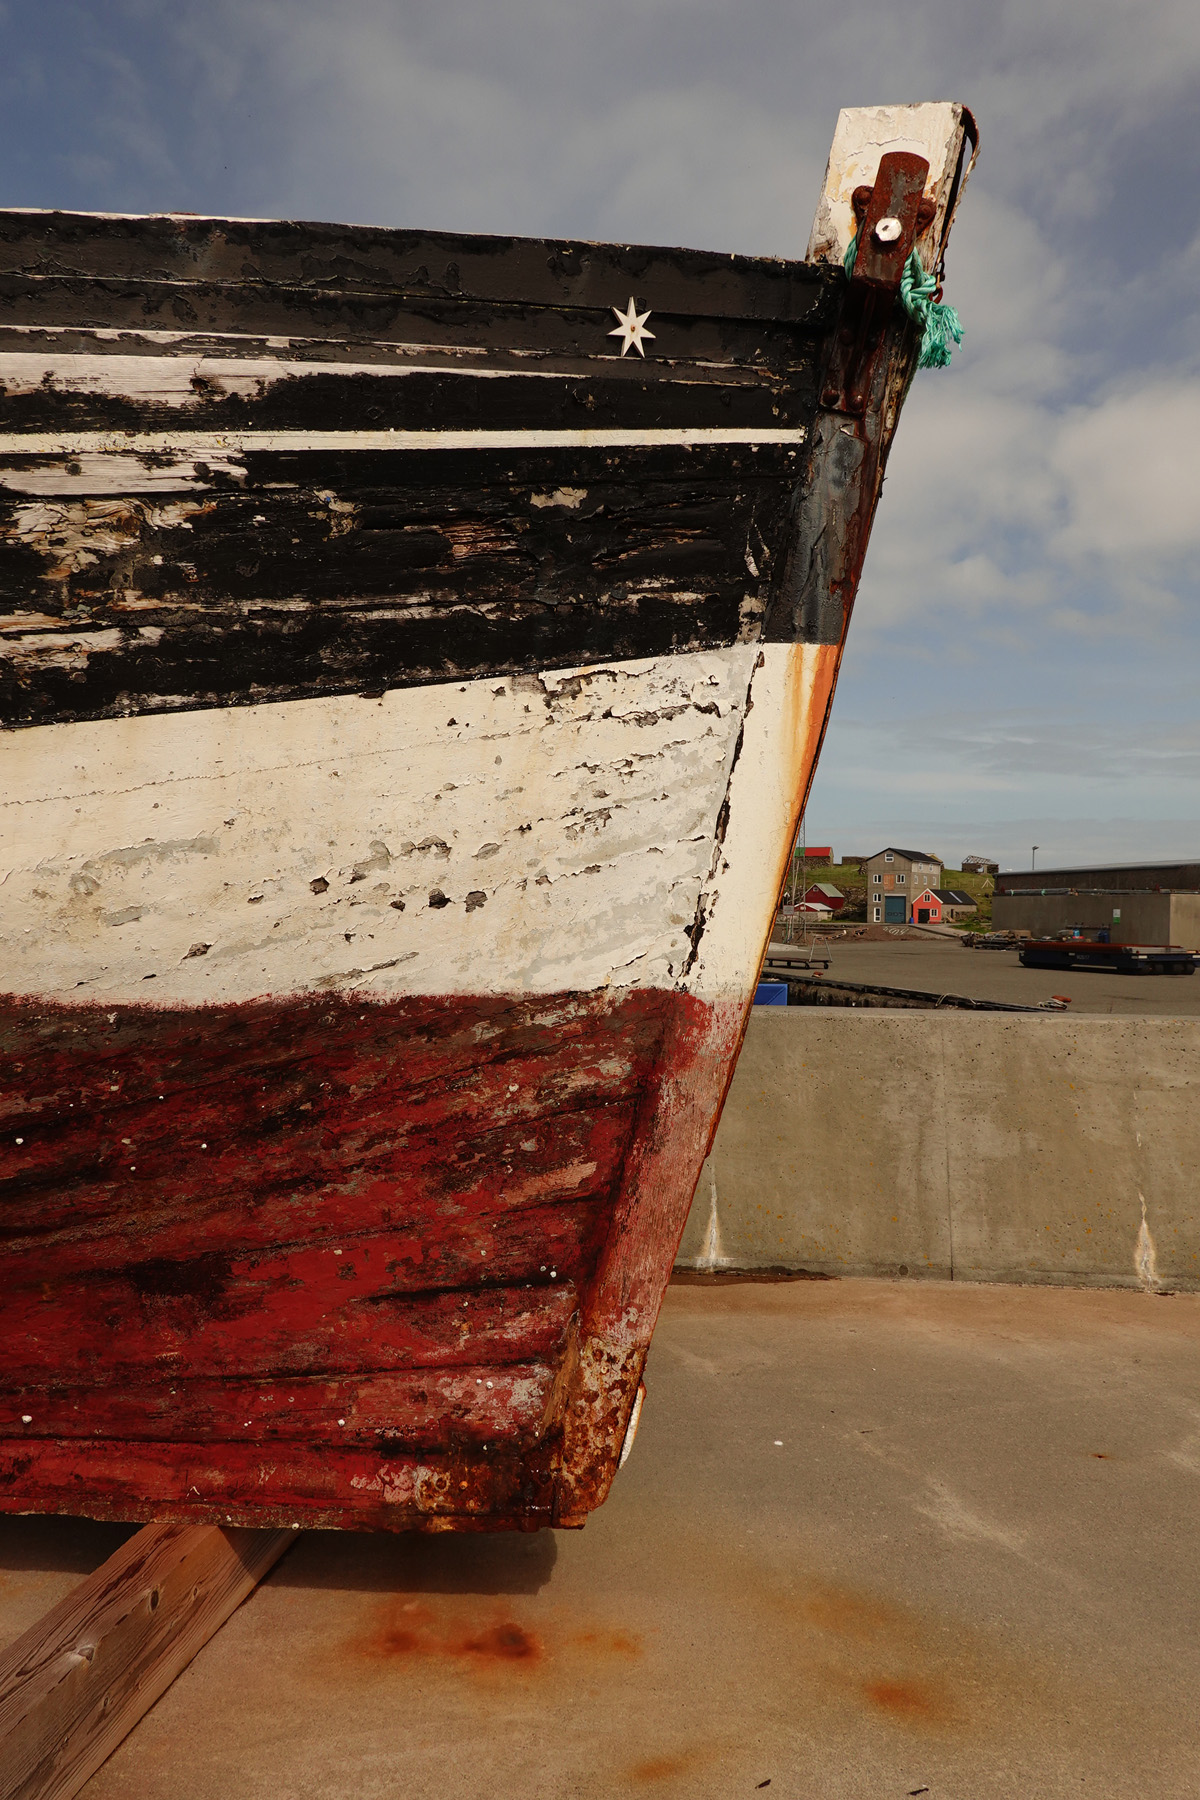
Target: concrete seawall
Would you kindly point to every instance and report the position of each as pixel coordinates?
(976, 1147)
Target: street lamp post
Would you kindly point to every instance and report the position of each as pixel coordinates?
(1033, 858)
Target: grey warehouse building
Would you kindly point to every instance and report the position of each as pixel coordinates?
(1139, 903)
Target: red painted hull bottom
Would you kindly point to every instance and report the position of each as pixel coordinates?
(338, 1262)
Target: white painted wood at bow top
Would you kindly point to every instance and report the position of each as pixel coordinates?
(517, 834)
(933, 130)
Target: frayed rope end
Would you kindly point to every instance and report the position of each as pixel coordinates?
(940, 325)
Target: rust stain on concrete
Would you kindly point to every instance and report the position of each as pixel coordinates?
(880, 1653)
(404, 1628)
(909, 1702)
(668, 1765)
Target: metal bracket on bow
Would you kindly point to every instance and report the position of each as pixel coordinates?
(891, 216)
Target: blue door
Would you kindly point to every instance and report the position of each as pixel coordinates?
(895, 909)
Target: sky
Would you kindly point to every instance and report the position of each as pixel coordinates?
(1023, 661)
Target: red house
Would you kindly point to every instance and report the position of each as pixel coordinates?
(927, 908)
(823, 893)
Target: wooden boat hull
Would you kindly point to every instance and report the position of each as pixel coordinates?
(393, 830)
(417, 1212)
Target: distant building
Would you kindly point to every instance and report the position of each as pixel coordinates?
(823, 893)
(1148, 878)
(815, 856)
(1138, 903)
(893, 876)
(937, 906)
(956, 903)
(980, 865)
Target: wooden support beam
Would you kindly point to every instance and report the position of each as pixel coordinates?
(80, 1679)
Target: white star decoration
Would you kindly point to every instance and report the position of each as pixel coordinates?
(632, 328)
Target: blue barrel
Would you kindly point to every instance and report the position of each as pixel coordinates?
(771, 993)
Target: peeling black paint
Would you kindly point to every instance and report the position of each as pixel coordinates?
(249, 576)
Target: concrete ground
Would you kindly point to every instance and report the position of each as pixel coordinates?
(943, 966)
(875, 1539)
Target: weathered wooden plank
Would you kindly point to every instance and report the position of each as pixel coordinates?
(79, 1680)
(53, 392)
(425, 265)
(156, 358)
(429, 1410)
(329, 1048)
(467, 1189)
(174, 662)
(369, 315)
(257, 1125)
(494, 1487)
(289, 1132)
(470, 1186)
(319, 573)
(115, 1325)
(428, 1253)
(431, 806)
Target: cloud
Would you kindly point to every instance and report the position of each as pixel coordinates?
(1035, 745)
(1130, 467)
(384, 117)
(1003, 507)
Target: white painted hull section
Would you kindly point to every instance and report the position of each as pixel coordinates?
(513, 835)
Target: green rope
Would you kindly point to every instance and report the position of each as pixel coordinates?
(940, 325)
